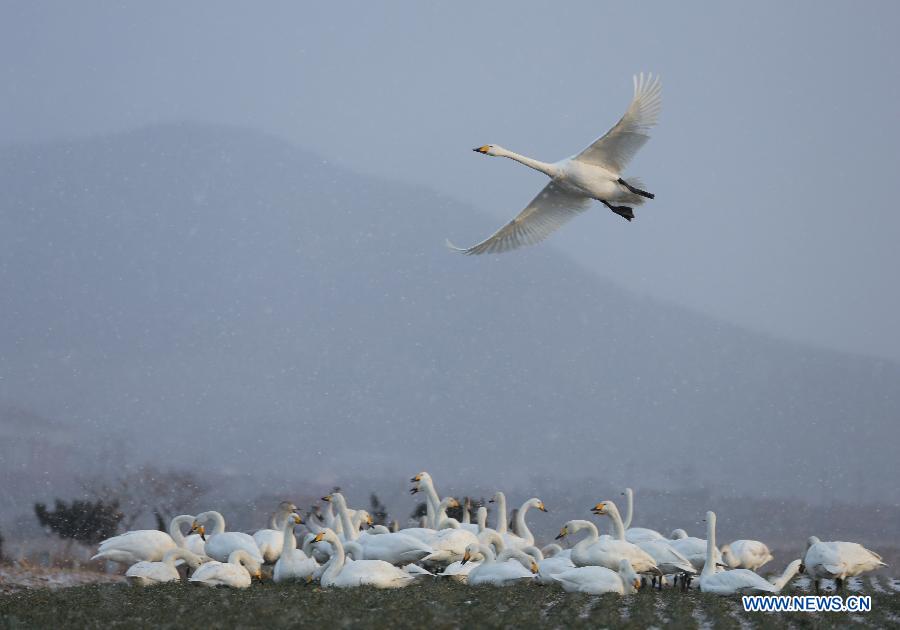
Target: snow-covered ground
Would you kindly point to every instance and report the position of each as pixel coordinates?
(16, 578)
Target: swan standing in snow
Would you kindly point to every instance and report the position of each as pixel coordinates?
(146, 573)
(270, 540)
(741, 581)
(509, 567)
(219, 543)
(636, 534)
(342, 573)
(236, 573)
(595, 173)
(598, 580)
(293, 563)
(837, 561)
(746, 554)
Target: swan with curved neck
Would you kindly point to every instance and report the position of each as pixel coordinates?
(607, 551)
(342, 574)
(524, 538)
(220, 543)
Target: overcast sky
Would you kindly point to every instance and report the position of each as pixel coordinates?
(775, 163)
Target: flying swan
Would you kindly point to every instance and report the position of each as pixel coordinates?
(595, 173)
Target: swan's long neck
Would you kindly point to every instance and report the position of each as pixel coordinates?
(346, 524)
(335, 563)
(543, 167)
(591, 538)
(618, 526)
(709, 567)
(789, 572)
(431, 500)
(629, 506)
(218, 523)
(522, 526)
(488, 552)
(290, 542)
(500, 500)
(175, 528)
(466, 519)
(482, 519)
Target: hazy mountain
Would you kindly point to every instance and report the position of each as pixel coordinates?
(212, 297)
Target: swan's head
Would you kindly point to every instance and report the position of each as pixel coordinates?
(563, 532)
(327, 498)
(537, 503)
(200, 529)
(601, 508)
(534, 567)
(298, 520)
(422, 476)
(287, 506)
(628, 574)
(489, 149)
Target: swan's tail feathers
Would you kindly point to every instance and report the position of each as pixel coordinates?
(636, 186)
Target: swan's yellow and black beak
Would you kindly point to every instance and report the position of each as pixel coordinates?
(298, 520)
(197, 527)
(637, 584)
(327, 498)
(600, 509)
(319, 537)
(466, 557)
(483, 149)
(414, 490)
(542, 507)
(563, 533)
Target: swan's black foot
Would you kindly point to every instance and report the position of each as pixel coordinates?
(623, 211)
(636, 191)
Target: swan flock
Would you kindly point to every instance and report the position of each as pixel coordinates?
(342, 548)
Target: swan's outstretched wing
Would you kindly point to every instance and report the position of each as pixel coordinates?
(553, 206)
(614, 150)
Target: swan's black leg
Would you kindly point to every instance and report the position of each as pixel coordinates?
(636, 191)
(623, 211)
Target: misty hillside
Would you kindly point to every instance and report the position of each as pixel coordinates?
(212, 297)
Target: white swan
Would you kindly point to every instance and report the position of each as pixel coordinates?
(792, 569)
(425, 484)
(605, 551)
(636, 534)
(396, 548)
(667, 559)
(746, 554)
(342, 573)
(694, 549)
(146, 573)
(293, 563)
(219, 543)
(550, 565)
(730, 582)
(236, 573)
(837, 560)
(510, 567)
(598, 580)
(525, 538)
(502, 518)
(595, 173)
(148, 544)
(450, 541)
(270, 540)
